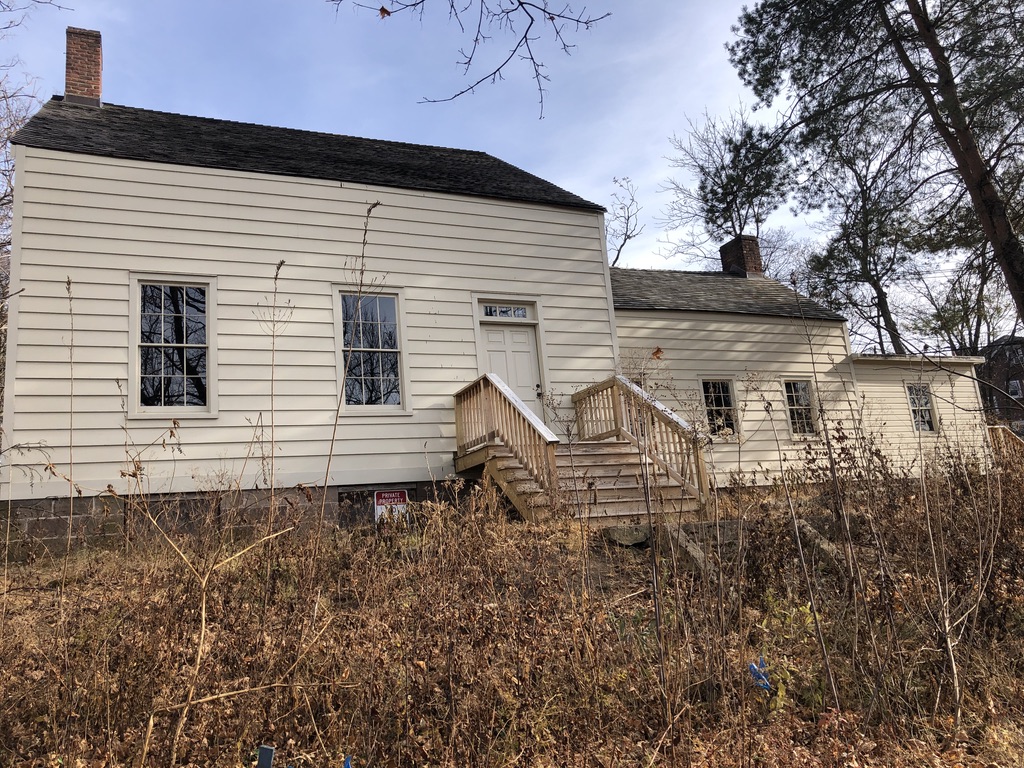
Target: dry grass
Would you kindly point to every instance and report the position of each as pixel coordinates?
(474, 640)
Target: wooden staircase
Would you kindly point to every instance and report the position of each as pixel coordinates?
(634, 456)
(601, 481)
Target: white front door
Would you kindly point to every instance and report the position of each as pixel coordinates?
(510, 351)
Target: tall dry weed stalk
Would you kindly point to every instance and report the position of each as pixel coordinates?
(361, 285)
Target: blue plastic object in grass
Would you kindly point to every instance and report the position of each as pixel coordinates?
(759, 672)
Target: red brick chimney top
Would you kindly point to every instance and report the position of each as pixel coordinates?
(83, 75)
(742, 256)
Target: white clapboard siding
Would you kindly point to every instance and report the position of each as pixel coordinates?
(757, 354)
(956, 408)
(96, 221)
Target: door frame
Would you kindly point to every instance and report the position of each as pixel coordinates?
(535, 319)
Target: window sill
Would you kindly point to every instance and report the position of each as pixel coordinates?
(357, 411)
(173, 414)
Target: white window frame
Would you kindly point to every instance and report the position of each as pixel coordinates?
(403, 408)
(914, 422)
(135, 408)
(812, 415)
(731, 384)
(1014, 389)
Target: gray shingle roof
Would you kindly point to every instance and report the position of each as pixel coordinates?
(711, 292)
(162, 137)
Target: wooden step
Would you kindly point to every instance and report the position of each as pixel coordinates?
(603, 481)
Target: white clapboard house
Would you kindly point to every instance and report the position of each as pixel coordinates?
(201, 305)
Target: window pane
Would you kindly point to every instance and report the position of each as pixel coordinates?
(152, 299)
(149, 390)
(195, 390)
(150, 361)
(369, 311)
(348, 307)
(195, 329)
(347, 335)
(388, 309)
(151, 329)
(174, 299)
(371, 335)
(353, 391)
(356, 335)
(195, 301)
(352, 364)
(195, 362)
(174, 390)
(371, 364)
(389, 364)
(391, 391)
(173, 361)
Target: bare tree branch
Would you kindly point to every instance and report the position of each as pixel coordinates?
(624, 224)
(521, 20)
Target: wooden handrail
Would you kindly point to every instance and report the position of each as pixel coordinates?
(1004, 441)
(487, 411)
(619, 408)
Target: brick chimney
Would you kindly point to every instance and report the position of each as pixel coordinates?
(742, 256)
(83, 75)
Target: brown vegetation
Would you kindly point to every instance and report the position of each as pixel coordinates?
(470, 639)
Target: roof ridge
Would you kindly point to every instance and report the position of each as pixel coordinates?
(709, 272)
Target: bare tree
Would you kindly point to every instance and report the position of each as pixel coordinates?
(739, 175)
(14, 12)
(521, 21)
(17, 102)
(624, 222)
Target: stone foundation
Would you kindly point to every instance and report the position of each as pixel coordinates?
(43, 526)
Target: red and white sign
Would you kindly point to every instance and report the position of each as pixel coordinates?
(390, 503)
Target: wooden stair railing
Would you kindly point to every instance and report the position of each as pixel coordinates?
(487, 410)
(619, 408)
(1005, 442)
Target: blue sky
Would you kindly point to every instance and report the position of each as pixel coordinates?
(609, 108)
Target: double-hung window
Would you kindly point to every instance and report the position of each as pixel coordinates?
(173, 362)
(800, 407)
(921, 412)
(371, 349)
(718, 402)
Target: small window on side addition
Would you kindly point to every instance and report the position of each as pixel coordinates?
(800, 407)
(921, 407)
(718, 402)
(1013, 388)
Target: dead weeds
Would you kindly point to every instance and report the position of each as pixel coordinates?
(468, 639)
